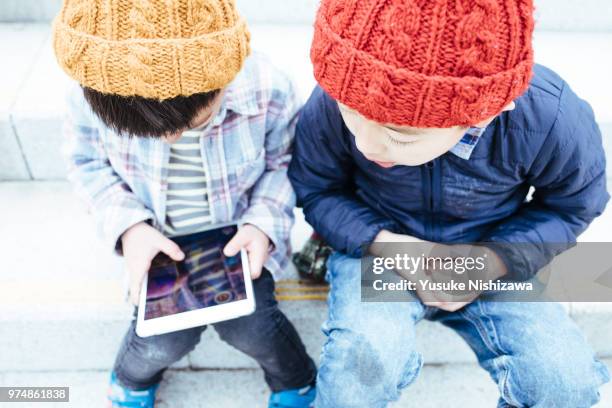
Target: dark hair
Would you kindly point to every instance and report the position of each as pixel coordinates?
(138, 116)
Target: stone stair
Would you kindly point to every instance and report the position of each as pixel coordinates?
(63, 312)
(63, 316)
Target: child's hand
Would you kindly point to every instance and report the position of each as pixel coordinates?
(141, 243)
(495, 269)
(256, 243)
(388, 236)
(440, 299)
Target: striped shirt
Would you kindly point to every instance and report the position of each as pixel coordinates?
(187, 207)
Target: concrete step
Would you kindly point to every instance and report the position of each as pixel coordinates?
(559, 15)
(72, 290)
(62, 294)
(436, 386)
(32, 101)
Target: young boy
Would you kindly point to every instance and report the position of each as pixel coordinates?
(431, 123)
(172, 129)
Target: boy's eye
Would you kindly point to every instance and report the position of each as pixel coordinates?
(398, 142)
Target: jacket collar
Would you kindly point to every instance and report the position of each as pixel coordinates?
(241, 95)
(468, 143)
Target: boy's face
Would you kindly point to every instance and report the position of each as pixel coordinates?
(389, 145)
(204, 117)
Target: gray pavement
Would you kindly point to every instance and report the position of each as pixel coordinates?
(438, 386)
(59, 280)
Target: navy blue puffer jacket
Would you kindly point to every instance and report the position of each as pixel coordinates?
(550, 141)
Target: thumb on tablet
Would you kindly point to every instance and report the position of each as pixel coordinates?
(170, 248)
(239, 241)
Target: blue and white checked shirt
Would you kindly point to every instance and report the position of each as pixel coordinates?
(468, 142)
(246, 152)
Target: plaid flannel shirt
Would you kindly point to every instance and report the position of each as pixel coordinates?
(468, 142)
(246, 152)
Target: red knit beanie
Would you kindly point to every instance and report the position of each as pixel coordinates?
(424, 63)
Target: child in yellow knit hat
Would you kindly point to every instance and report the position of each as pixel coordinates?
(173, 127)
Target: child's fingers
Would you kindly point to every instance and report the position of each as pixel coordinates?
(134, 295)
(137, 272)
(239, 241)
(135, 285)
(170, 248)
(450, 306)
(427, 298)
(257, 257)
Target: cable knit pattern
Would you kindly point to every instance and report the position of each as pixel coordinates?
(424, 63)
(476, 47)
(142, 19)
(400, 24)
(151, 48)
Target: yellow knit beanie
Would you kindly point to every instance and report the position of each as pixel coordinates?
(151, 48)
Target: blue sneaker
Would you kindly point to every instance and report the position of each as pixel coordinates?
(296, 398)
(122, 397)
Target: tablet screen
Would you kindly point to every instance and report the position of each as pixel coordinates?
(204, 278)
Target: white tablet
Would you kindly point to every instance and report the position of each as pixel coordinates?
(206, 287)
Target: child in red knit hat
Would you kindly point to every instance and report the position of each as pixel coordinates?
(430, 125)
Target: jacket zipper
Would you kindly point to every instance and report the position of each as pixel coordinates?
(436, 198)
(432, 196)
(428, 198)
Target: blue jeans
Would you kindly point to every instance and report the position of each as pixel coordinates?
(533, 351)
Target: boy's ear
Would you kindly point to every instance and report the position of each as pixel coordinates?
(509, 107)
(485, 123)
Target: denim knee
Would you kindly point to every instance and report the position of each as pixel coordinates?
(167, 348)
(556, 383)
(359, 372)
(142, 359)
(242, 332)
